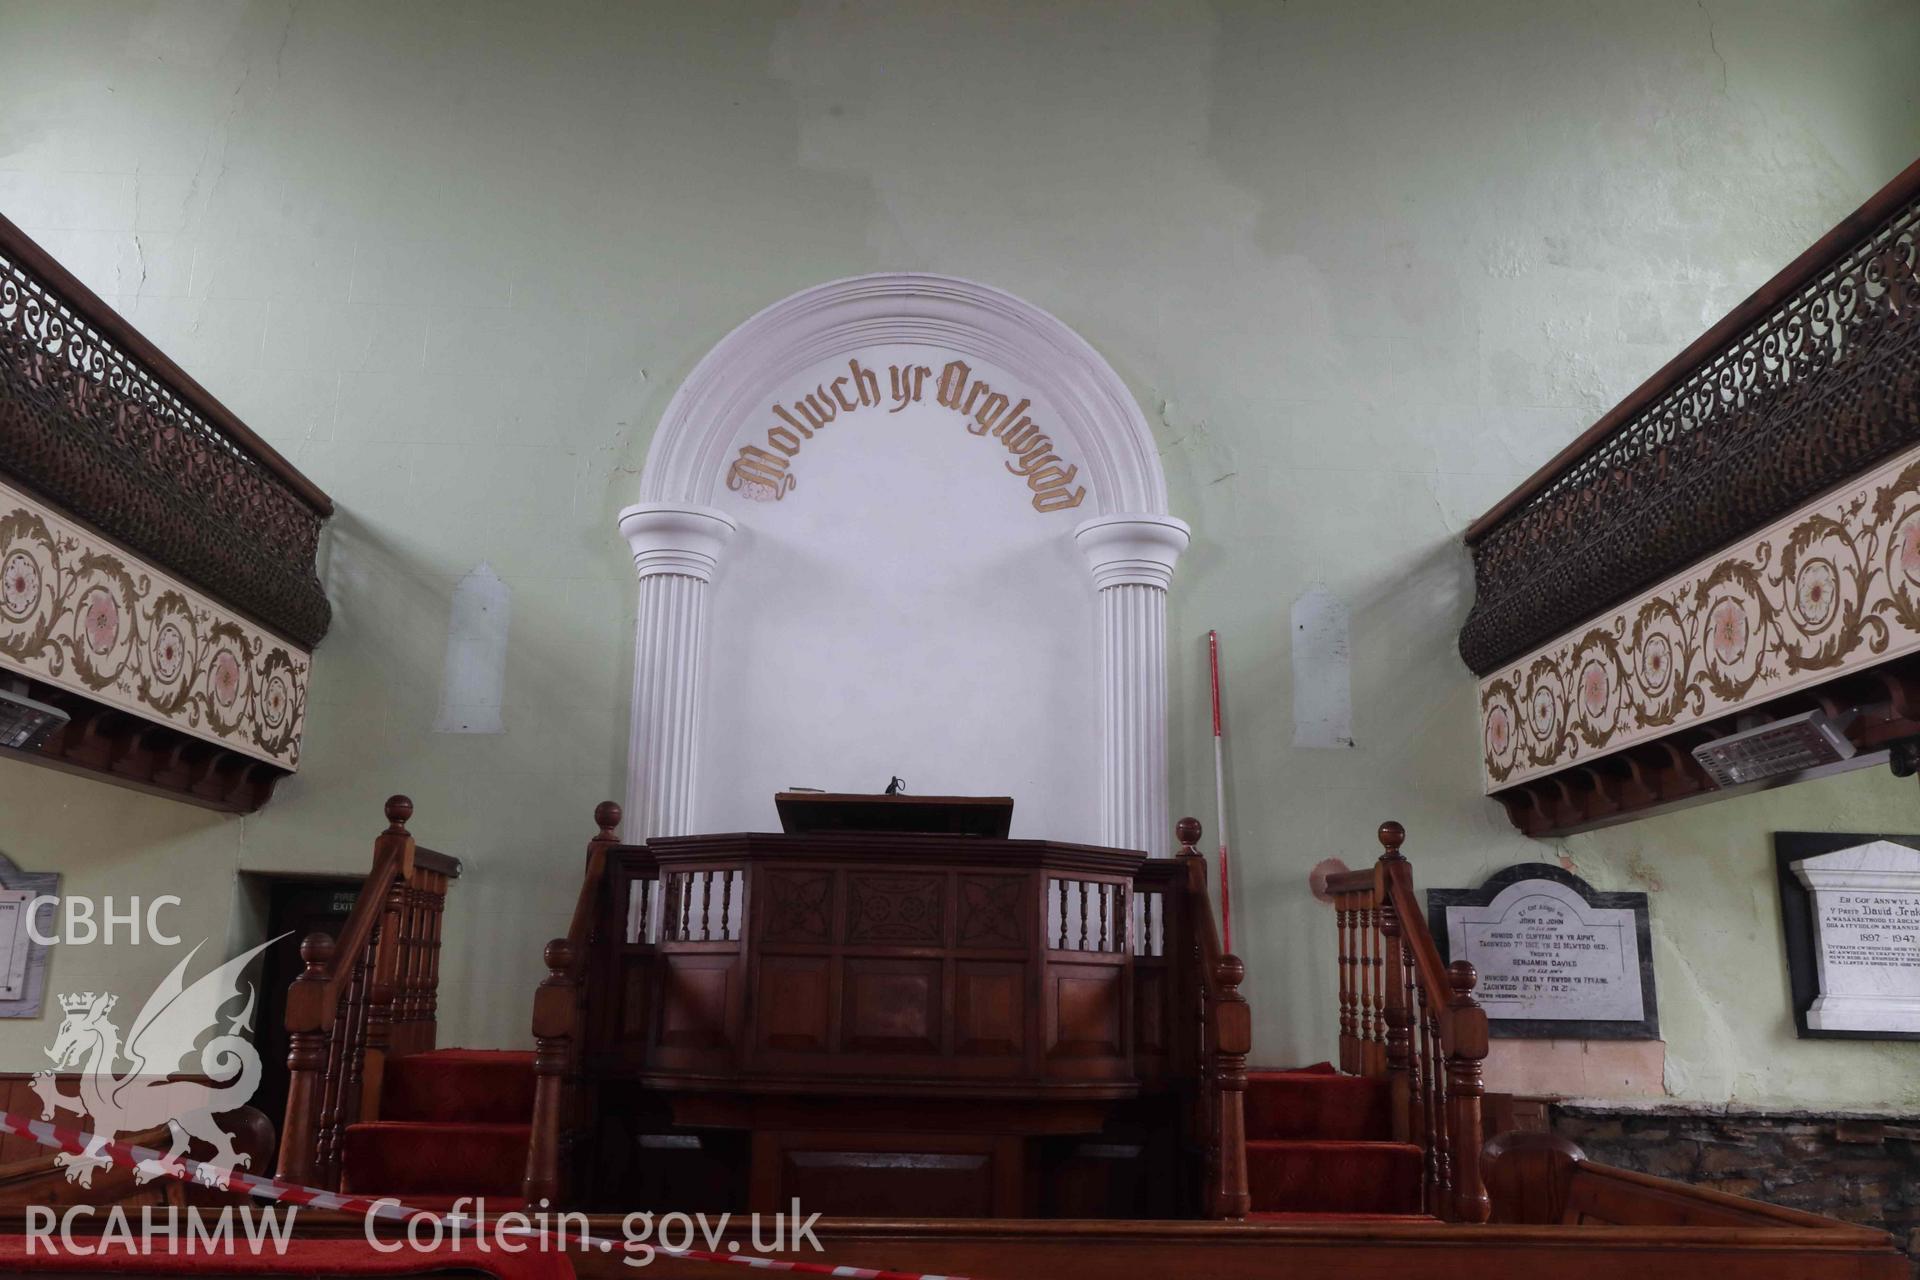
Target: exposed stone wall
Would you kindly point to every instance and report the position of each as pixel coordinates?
(1858, 1170)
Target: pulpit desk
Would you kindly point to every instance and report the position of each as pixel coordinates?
(880, 1022)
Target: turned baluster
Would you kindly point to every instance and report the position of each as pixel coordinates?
(436, 923)
(1399, 1047)
(354, 1075)
(413, 956)
(1464, 1090)
(1442, 1133)
(1430, 1128)
(1348, 1046)
(326, 1132)
(385, 1002)
(1416, 1069)
(1363, 1013)
(1377, 1023)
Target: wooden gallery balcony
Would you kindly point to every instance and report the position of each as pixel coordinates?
(158, 598)
(1716, 588)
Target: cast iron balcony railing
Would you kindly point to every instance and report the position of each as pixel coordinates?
(1811, 380)
(96, 419)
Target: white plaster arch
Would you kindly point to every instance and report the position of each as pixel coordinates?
(679, 534)
(687, 458)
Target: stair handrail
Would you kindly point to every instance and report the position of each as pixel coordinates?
(1412, 1018)
(1225, 1038)
(362, 999)
(559, 1022)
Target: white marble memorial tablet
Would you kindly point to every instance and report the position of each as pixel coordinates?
(1866, 915)
(1546, 954)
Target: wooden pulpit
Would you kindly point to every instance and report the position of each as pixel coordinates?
(903, 1021)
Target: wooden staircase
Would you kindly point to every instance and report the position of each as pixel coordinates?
(366, 1004)
(1410, 1021)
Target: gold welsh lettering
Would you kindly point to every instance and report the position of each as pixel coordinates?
(988, 414)
(759, 469)
(906, 385)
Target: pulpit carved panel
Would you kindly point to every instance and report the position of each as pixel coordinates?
(799, 906)
(993, 911)
(896, 909)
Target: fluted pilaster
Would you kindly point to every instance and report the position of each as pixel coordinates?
(676, 549)
(1132, 559)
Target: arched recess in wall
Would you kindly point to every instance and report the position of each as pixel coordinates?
(902, 523)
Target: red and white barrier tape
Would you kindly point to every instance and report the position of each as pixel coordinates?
(386, 1209)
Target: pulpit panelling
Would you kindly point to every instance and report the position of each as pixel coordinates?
(923, 961)
(852, 999)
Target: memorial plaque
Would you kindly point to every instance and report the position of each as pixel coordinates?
(1850, 905)
(23, 962)
(1557, 958)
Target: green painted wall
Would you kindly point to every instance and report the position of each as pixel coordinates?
(1364, 265)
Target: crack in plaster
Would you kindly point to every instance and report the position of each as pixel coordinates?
(1713, 45)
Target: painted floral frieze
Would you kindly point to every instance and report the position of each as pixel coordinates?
(1831, 588)
(79, 612)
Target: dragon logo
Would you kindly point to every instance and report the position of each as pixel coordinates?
(161, 1042)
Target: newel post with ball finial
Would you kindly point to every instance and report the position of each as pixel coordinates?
(559, 1026)
(1226, 1038)
(1465, 1052)
(1397, 1010)
(306, 1058)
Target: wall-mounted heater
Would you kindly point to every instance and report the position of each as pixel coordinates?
(25, 725)
(1776, 750)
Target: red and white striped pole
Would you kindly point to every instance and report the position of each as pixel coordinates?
(1220, 795)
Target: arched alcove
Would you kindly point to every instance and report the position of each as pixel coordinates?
(862, 502)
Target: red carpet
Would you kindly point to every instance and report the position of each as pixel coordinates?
(493, 1086)
(1299, 1104)
(456, 1121)
(1321, 1144)
(453, 1122)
